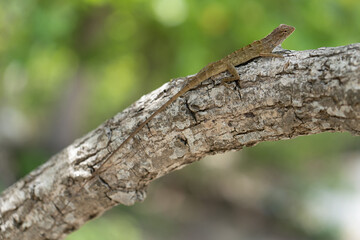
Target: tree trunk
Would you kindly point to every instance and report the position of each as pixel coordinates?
(306, 92)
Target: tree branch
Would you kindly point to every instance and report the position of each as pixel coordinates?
(306, 92)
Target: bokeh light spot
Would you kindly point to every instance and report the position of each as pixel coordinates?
(170, 12)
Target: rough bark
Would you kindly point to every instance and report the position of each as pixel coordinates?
(306, 92)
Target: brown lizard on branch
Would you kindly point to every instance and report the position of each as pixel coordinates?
(259, 48)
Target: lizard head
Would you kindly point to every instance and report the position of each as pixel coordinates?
(278, 35)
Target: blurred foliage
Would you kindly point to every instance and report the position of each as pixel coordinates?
(122, 49)
(125, 229)
(88, 59)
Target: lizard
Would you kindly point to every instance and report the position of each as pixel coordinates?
(258, 48)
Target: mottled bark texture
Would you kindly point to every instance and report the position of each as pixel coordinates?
(304, 93)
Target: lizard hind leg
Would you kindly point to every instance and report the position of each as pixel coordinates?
(235, 75)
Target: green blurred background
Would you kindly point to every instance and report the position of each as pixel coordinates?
(67, 66)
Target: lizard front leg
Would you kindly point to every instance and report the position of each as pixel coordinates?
(235, 74)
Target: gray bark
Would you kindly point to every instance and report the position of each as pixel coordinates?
(306, 92)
